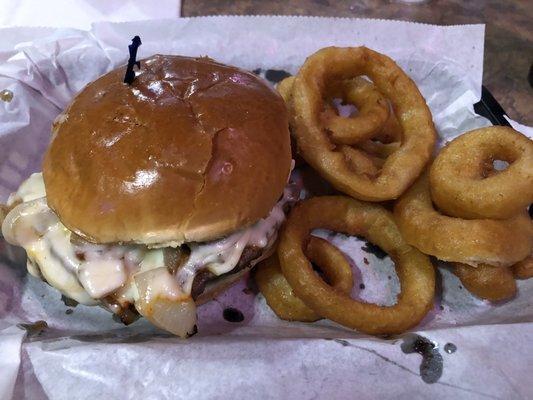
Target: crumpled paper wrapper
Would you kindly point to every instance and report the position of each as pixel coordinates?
(84, 353)
(82, 13)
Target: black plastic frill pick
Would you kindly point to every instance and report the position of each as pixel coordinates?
(132, 61)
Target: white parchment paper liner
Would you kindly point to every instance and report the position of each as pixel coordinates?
(86, 354)
(82, 13)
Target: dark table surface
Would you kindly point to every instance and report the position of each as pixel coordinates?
(508, 40)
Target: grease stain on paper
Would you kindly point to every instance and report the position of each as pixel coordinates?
(34, 328)
(450, 348)
(68, 301)
(276, 75)
(375, 250)
(6, 95)
(231, 314)
(432, 362)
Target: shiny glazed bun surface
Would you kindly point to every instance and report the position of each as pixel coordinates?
(190, 151)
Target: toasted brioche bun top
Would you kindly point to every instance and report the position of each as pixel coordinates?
(190, 151)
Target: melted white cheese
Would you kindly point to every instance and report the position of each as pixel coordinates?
(104, 269)
(31, 189)
(33, 226)
(222, 255)
(102, 277)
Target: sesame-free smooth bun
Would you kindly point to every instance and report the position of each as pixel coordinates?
(190, 151)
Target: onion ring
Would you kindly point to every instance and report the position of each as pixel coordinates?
(368, 157)
(343, 214)
(479, 241)
(403, 166)
(459, 186)
(523, 269)
(379, 149)
(362, 162)
(373, 112)
(487, 282)
(284, 88)
(358, 91)
(389, 131)
(280, 296)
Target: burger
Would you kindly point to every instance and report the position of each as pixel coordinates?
(155, 196)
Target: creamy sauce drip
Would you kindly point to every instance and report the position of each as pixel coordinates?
(87, 272)
(222, 255)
